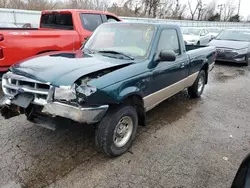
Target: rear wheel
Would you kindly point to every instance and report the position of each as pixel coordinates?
(115, 133)
(197, 88)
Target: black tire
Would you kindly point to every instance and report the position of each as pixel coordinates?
(105, 131)
(196, 90)
(198, 43)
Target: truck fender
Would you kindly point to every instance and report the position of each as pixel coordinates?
(132, 95)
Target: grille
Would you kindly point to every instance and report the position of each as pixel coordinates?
(13, 84)
(226, 53)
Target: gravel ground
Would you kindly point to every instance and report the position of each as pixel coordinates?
(187, 144)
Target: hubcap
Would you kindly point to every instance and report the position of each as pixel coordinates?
(123, 131)
(201, 84)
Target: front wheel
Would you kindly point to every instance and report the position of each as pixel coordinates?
(116, 131)
(197, 88)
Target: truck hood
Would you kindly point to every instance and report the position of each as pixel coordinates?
(65, 68)
(237, 45)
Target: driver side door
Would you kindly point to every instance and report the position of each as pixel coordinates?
(168, 76)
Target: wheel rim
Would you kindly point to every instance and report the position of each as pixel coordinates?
(201, 84)
(123, 131)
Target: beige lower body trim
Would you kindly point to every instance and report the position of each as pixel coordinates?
(156, 98)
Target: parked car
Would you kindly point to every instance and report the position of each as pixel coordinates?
(59, 30)
(233, 45)
(117, 78)
(214, 31)
(195, 36)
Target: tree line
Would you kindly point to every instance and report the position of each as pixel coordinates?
(163, 9)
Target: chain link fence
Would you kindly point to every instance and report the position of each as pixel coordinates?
(189, 23)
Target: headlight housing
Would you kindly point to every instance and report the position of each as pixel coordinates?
(67, 93)
(77, 93)
(242, 51)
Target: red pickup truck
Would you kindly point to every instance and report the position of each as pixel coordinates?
(59, 30)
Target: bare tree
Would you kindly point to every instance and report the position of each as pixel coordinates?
(194, 10)
(177, 9)
(209, 10)
(134, 5)
(229, 10)
(4, 3)
(200, 10)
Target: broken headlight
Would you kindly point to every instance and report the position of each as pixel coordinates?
(66, 93)
(74, 93)
(83, 91)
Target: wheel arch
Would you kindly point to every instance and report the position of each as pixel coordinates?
(136, 100)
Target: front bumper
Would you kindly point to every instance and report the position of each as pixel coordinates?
(243, 58)
(88, 115)
(22, 94)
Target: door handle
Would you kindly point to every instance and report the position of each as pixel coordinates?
(182, 65)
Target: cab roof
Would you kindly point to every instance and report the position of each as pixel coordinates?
(77, 10)
(158, 25)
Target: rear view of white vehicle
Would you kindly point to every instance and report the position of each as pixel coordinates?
(195, 36)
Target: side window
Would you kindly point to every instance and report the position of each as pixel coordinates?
(91, 21)
(169, 41)
(203, 33)
(112, 18)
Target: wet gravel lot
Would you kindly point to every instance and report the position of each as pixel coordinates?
(187, 144)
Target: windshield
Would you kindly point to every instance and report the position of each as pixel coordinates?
(130, 39)
(190, 31)
(213, 30)
(235, 35)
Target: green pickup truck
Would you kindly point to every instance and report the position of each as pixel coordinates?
(123, 71)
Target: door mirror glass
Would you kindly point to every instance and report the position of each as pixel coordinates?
(242, 178)
(167, 55)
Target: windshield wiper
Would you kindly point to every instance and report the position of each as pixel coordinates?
(115, 52)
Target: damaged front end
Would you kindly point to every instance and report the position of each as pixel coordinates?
(34, 99)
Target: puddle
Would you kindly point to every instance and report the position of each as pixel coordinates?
(223, 77)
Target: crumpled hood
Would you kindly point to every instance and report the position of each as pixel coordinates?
(64, 68)
(237, 45)
(190, 37)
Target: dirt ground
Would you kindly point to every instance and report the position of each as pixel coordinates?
(187, 144)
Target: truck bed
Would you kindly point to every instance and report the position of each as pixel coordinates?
(194, 47)
(198, 54)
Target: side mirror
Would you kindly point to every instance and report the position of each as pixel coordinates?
(167, 55)
(242, 178)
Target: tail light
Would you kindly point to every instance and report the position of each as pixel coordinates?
(1, 53)
(1, 37)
